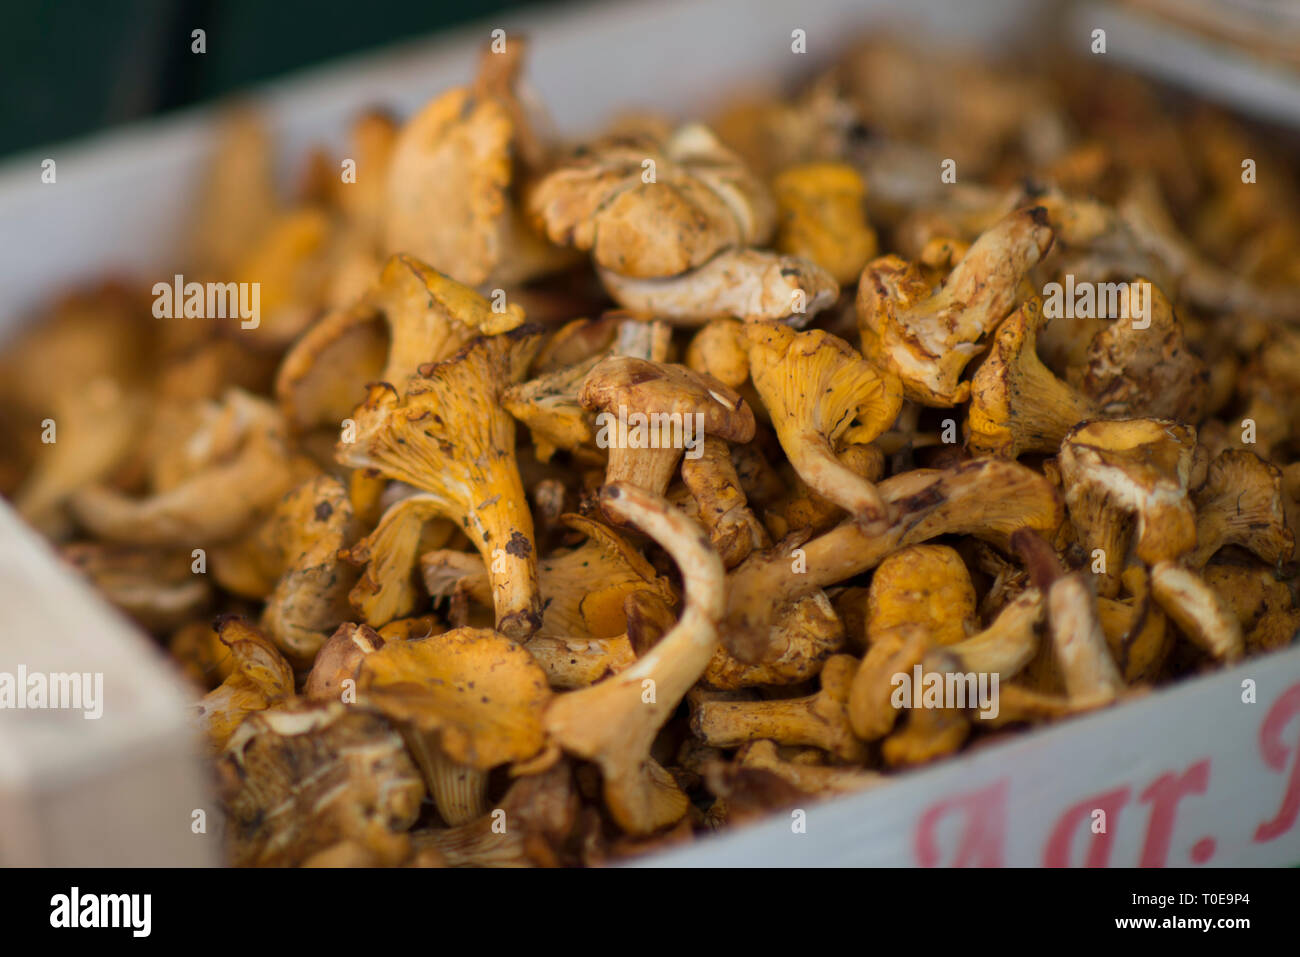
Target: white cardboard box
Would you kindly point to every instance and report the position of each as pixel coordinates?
(1188, 775)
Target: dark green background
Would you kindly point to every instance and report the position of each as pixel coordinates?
(70, 68)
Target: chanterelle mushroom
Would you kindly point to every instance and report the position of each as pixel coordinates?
(1080, 651)
(1241, 503)
(238, 465)
(583, 589)
(821, 395)
(986, 498)
(614, 722)
(654, 412)
(259, 678)
(1016, 404)
(428, 317)
(750, 284)
(820, 720)
(450, 197)
(1129, 470)
(927, 337)
(648, 210)
(449, 437)
(298, 780)
(1146, 368)
(307, 530)
(468, 700)
(822, 218)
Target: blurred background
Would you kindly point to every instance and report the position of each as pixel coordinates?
(82, 66)
(76, 67)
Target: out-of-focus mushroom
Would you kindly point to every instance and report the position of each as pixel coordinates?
(198, 648)
(299, 780)
(1129, 473)
(157, 588)
(721, 350)
(1241, 503)
(662, 408)
(449, 437)
(339, 660)
(822, 220)
(237, 201)
(387, 588)
(309, 528)
(1265, 607)
(820, 720)
(427, 317)
(1016, 404)
(540, 812)
(259, 679)
(451, 182)
(1197, 610)
(821, 395)
(239, 466)
(1080, 651)
(289, 264)
(927, 337)
(95, 429)
(467, 700)
(1145, 369)
(1136, 629)
(749, 284)
(648, 210)
(614, 723)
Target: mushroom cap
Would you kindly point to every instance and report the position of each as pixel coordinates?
(822, 217)
(1140, 466)
(340, 658)
(480, 693)
(746, 283)
(817, 380)
(1146, 370)
(447, 185)
(928, 585)
(299, 779)
(657, 388)
(700, 201)
(927, 338)
(1243, 495)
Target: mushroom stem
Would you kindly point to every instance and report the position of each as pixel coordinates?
(503, 532)
(985, 497)
(650, 469)
(817, 464)
(1079, 644)
(614, 723)
(820, 720)
(1009, 643)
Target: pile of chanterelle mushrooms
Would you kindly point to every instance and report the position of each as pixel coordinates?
(441, 614)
